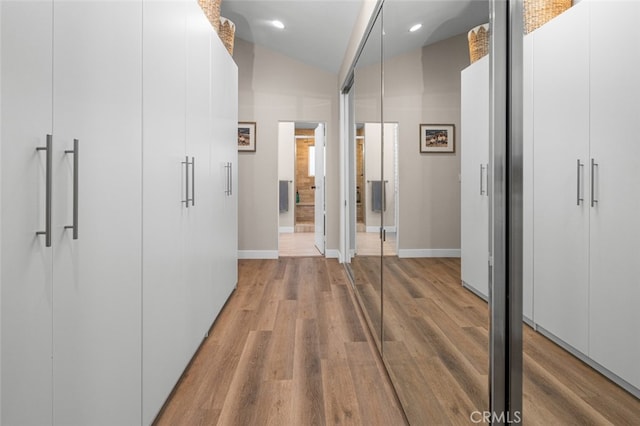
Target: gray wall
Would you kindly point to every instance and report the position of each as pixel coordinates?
(423, 86)
(274, 88)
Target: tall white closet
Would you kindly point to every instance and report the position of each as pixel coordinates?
(474, 169)
(113, 114)
(586, 233)
(189, 203)
(581, 177)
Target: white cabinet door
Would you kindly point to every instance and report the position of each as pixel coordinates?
(165, 322)
(97, 277)
(200, 232)
(561, 132)
(26, 262)
(615, 232)
(527, 179)
(474, 186)
(224, 162)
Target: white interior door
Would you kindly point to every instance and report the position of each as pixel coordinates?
(319, 182)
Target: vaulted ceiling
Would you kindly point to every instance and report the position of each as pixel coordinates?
(317, 32)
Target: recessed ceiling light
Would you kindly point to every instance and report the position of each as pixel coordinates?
(277, 24)
(415, 28)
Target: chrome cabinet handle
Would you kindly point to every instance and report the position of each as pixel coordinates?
(226, 178)
(48, 190)
(579, 191)
(76, 161)
(593, 182)
(230, 178)
(186, 181)
(482, 179)
(193, 181)
(228, 187)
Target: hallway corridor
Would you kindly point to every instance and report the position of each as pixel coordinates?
(288, 349)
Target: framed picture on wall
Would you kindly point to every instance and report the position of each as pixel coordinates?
(437, 138)
(247, 136)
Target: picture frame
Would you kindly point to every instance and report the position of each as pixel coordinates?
(437, 138)
(247, 136)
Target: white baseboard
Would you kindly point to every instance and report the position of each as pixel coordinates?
(286, 230)
(332, 254)
(257, 254)
(404, 253)
(377, 229)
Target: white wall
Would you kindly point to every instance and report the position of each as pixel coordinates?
(274, 88)
(286, 170)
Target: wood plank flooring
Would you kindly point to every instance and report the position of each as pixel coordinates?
(289, 348)
(435, 348)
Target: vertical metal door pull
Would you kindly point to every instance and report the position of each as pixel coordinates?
(578, 197)
(186, 181)
(76, 161)
(193, 181)
(593, 182)
(481, 179)
(228, 188)
(48, 190)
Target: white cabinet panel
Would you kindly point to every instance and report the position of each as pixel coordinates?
(614, 318)
(561, 114)
(26, 263)
(527, 180)
(200, 230)
(165, 303)
(224, 162)
(474, 134)
(97, 290)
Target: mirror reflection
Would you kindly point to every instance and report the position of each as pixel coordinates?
(421, 182)
(366, 177)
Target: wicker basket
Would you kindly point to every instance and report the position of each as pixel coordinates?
(227, 32)
(478, 42)
(211, 9)
(539, 12)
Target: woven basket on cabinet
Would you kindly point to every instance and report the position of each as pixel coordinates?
(211, 9)
(539, 12)
(227, 32)
(478, 42)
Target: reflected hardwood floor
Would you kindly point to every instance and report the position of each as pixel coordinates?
(289, 348)
(368, 244)
(435, 348)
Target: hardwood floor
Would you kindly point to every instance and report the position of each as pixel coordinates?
(435, 348)
(288, 349)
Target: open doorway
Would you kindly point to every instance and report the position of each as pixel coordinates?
(301, 153)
